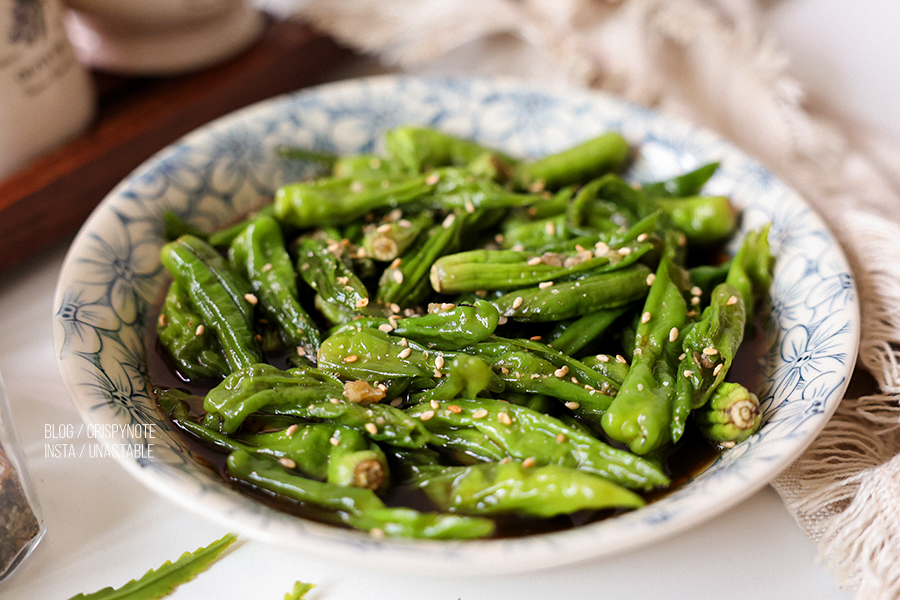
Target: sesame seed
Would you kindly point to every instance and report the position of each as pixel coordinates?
(535, 376)
(357, 186)
(651, 278)
(695, 300)
(673, 334)
(732, 301)
(683, 356)
(403, 342)
(601, 247)
(529, 462)
(637, 352)
(545, 284)
(395, 264)
(688, 372)
(710, 351)
(433, 178)
(342, 280)
(624, 251)
(428, 414)
(385, 327)
(535, 338)
(550, 228)
(163, 320)
(642, 237)
(696, 291)
(534, 261)
(397, 276)
(455, 409)
(480, 413)
(287, 462)
(504, 418)
(470, 208)
(560, 437)
(621, 359)
(267, 267)
(393, 321)
(518, 302)
(502, 320)
(291, 430)
(362, 303)
(573, 405)
(395, 308)
(448, 222)
(372, 428)
(351, 358)
(384, 228)
(718, 369)
(301, 351)
(405, 353)
(251, 299)
(439, 362)
(562, 371)
(504, 370)
(640, 387)
(200, 329)
(602, 358)
(645, 317)
(334, 441)
(447, 306)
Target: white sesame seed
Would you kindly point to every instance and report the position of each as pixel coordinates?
(562, 371)
(534, 261)
(385, 327)
(545, 284)
(334, 441)
(383, 228)
(621, 359)
(504, 418)
(372, 428)
(433, 178)
(502, 320)
(504, 370)
(640, 387)
(645, 317)
(351, 358)
(428, 414)
(448, 222)
(560, 437)
(357, 186)
(251, 299)
(200, 329)
(362, 303)
(267, 267)
(397, 276)
(529, 462)
(480, 413)
(696, 291)
(673, 334)
(602, 358)
(439, 362)
(455, 409)
(163, 320)
(718, 369)
(518, 302)
(651, 278)
(732, 301)
(688, 372)
(470, 208)
(695, 300)
(287, 462)
(573, 405)
(291, 430)
(624, 251)
(710, 351)
(642, 237)
(550, 228)
(601, 247)
(435, 404)
(405, 353)
(395, 264)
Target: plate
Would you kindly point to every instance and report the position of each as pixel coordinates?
(112, 277)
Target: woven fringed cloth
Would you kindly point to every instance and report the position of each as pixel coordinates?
(709, 61)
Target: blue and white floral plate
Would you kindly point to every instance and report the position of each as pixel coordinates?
(112, 277)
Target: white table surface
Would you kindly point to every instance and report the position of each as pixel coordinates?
(105, 528)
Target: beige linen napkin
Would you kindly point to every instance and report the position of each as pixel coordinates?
(709, 62)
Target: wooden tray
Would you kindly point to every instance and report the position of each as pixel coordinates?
(49, 199)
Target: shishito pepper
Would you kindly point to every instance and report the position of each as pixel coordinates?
(732, 415)
(640, 416)
(259, 253)
(524, 433)
(219, 295)
(510, 486)
(196, 356)
(354, 506)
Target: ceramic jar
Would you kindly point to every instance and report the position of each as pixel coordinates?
(46, 96)
(160, 37)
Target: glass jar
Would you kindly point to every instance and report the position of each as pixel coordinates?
(21, 522)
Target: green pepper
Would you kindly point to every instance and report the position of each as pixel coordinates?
(196, 356)
(219, 295)
(540, 491)
(590, 159)
(259, 254)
